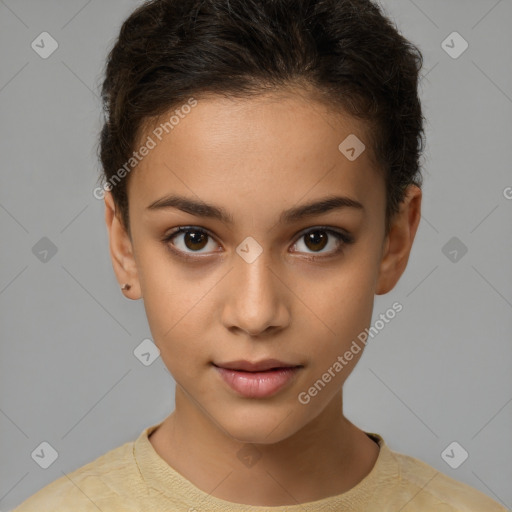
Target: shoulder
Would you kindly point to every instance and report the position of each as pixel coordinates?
(103, 484)
(428, 489)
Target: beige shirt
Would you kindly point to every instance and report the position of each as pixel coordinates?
(133, 477)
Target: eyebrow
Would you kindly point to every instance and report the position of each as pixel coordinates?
(202, 209)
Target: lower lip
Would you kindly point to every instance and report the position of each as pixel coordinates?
(258, 384)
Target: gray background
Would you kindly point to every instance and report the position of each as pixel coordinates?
(439, 372)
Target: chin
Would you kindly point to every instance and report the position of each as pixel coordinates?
(260, 426)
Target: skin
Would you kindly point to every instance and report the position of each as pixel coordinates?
(257, 157)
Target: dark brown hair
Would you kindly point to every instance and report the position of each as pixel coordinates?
(346, 52)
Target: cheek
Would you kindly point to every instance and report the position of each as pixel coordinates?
(346, 306)
(181, 359)
(177, 311)
(183, 346)
(328, 372)
(166, 292)
(167, 301)
(347, 301)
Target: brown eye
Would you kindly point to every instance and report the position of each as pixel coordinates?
(195, 240)
(189, 240)
(316, 240)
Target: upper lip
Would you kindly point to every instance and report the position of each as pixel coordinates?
(260, 366)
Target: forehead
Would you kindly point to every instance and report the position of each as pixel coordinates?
(268, 150)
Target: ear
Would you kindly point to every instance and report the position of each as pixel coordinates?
(121, 250)
(398, 242)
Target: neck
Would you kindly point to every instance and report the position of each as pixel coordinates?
(295, 470)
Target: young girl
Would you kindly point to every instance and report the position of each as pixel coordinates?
(262, 185)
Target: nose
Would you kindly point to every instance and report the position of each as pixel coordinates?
(257, 298)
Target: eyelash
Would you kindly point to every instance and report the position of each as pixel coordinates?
(342, 237)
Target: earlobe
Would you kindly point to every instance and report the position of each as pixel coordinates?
(399, 241)
(121, 251)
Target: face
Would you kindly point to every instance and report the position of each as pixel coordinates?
(261, 281)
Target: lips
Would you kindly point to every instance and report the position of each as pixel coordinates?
(261, 366)
(257, 380)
